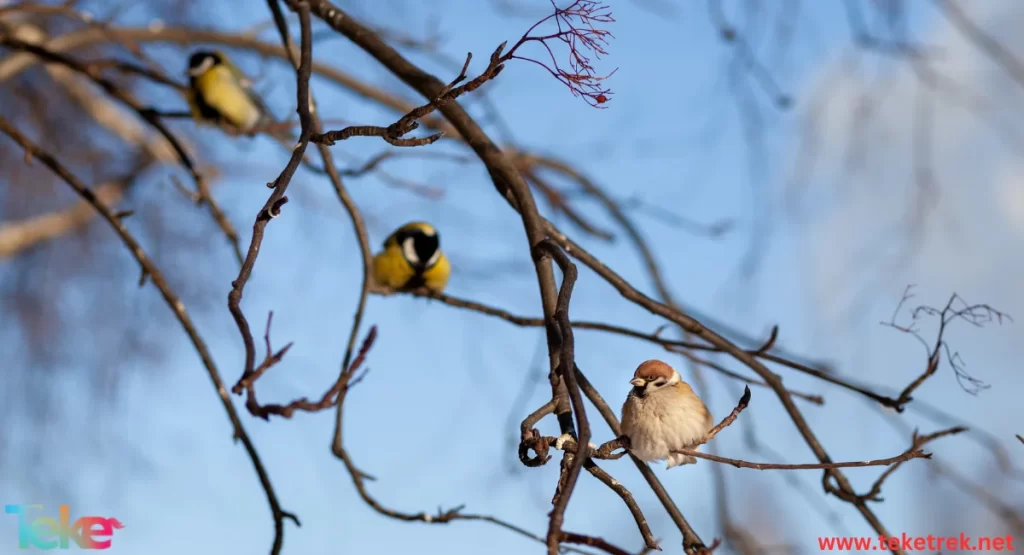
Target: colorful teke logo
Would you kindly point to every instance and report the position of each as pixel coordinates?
(88, 532)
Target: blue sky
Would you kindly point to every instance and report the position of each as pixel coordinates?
(431, 421)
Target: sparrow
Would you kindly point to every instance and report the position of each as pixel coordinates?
(662, 414)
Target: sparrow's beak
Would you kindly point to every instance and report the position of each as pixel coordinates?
(638, 382)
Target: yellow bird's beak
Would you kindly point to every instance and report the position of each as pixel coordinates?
(638, 382)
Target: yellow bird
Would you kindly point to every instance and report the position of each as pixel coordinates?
(412, 258)
(220, 93)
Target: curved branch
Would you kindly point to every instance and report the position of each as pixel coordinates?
(561, 327)
(151, 117)
(671, 345)
(506, 179)
(695, 327)
(177, 307)
(916, 442)
(355, 216)
(272, 207)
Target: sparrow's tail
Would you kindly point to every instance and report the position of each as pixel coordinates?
(679, 459)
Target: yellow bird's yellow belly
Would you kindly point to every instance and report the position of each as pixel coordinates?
(436, 277)
(391, 270)
(219, 90)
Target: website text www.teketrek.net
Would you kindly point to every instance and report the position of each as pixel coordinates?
(962, 542)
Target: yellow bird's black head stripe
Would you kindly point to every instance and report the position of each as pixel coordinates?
(420, 247)
(421, 227)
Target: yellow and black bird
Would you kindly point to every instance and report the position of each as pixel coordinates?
(411, 259)
(220, 93)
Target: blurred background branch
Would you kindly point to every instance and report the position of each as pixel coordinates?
(785, 167)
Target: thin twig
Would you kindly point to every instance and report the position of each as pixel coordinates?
(627, 497)
(178, 308)
(507, 181)
(606, 452)
(916, 454)
(347, 378)
(728, 420)
(570, 537)
(916, 442)
(976, 314)
(272, 207)
(844, 490)
(202, 188)
(680, 347)
(330, 398)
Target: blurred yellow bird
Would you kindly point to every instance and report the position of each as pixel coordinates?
(220, 93)
(412, 258)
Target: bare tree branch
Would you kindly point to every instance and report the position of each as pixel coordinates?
(177, 307)
(93, 73)
(577, 37)
(977, 315)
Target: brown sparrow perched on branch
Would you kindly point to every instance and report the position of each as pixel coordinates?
(662, 414)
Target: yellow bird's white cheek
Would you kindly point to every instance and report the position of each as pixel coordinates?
(409, 251)
(203, 67)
